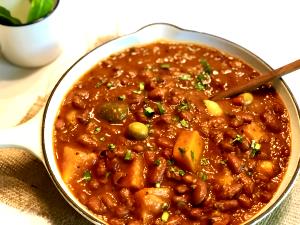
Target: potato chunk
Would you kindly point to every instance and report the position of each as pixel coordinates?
(254, 131)
(75, 162)
(213, 108)
(135, 177)
(151, 202)
(188, 149)
(265, 167)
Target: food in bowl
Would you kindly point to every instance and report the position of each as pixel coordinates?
(138, 141)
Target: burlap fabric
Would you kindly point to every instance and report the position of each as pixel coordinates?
(25, 185)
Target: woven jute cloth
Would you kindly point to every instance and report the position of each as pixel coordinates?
(31, 197)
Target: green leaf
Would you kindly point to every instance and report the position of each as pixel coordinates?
(161, 108)
(39, 9)
(6, 18)
(206, 66)
(87, 176)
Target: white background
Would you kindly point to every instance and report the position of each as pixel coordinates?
(270, 29)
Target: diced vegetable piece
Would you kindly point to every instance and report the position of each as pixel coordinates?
(113, 112)
(254, 131)
(138, 131)
(265, 167)
(71, 117)
(213, 108)
(224, 178)
(188, 149)
(247, 98)
(75, 163)
(152, 202)
(135, 174)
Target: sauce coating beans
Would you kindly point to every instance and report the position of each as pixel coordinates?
(138, 142)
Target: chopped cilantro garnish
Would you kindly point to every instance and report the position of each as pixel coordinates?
(128, 155)
(238, 138)
(183, 106)
(99, 83)
(255, 148)
(109, 85)
(181, 172)
(107, 174)
(165, 65)
(141, 88)
(161, 108)
(111, 146)
(102, 138)
(199, 86)
(206, 66)
(157, 162)
(170, 162)
(223, 162)
(184, 123)
(87, 176)
(122, 97)
(137, 92)
(202, 175)
(97, 130)
(148, 111)
(185, 76)
(204, 161)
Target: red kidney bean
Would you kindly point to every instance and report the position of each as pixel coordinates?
(181, 189)
(115, 221)
(229, 191)
(234, 163)
(121, 211)
(189, 179)
(199, 193)
(109, 200)
(94, 184)
(84, 117)
(248, 184)
(101, 168)
(157, 171)
(196, 213)
(87, 140)
(60, 124)
(135, 222)
(271, 121)
(227, 146)
(244, 201)
(138, 148)
(96, 205)
(157, 94)
(117, 176)
(225, 205)
(164, 142)
(149, 157)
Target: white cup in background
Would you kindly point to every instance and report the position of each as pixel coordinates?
(35, 44)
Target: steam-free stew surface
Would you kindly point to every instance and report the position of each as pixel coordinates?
(137, 142)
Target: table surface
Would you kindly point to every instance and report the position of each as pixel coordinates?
(270, 29)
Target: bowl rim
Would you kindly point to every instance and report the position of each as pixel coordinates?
(94, 220)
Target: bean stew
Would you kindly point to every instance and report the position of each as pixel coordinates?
(138, 142)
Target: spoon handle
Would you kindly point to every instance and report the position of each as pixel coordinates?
(258, 81)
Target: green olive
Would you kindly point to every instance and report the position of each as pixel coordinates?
(138, 131)
(113, 112)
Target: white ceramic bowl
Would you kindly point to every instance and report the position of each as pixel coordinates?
(42, 128)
